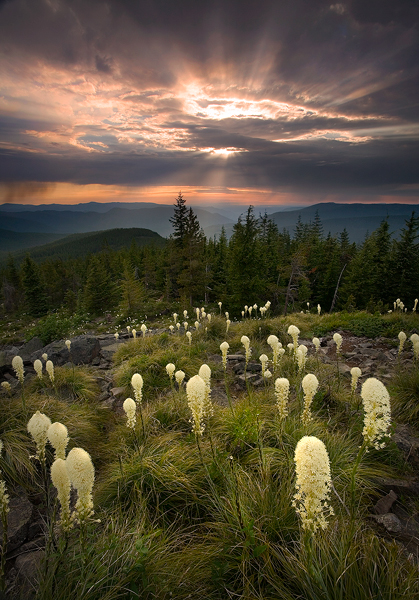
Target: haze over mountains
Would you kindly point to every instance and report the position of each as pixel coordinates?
(42, 224)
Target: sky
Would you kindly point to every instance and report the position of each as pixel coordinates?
(267, 102)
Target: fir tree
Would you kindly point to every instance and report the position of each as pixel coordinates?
(33, 288)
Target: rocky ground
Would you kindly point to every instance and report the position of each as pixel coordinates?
(376, 357)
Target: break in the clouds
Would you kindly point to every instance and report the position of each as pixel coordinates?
(294, 97)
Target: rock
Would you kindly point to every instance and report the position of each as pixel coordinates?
(248, 377)
(254, 367)
(27, 567)
(18, 520)
(343, 369)
(84, 348)
(400, 486)
(117, 391)
(6, 356)
(384, 504)
(407, 443)
(390, 521)
(236, 357)
(29, 348)
(238, 368)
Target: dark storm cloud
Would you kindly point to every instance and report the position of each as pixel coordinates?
(311, 93)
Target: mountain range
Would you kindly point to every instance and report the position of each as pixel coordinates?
(25, 226)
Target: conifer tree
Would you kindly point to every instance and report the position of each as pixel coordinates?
(33, 288)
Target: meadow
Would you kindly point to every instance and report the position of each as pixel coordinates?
(199, 491)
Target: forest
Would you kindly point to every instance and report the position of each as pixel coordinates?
(306, 269)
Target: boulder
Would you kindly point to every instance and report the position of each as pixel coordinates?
(18, 521)
(84, 349)
(29, 348)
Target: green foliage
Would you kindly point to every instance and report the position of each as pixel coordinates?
(54, 326)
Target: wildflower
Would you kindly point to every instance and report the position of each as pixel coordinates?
(116, 335)
(17, 364)
(319, 310)
(267, 374)
(415, 305)
(355, 375)
(224, 349)
(170, 369)
(38, 426)
(137, 384)
(68, 344)
(272, 341)
(264, 360)
(282, 390)
(171, 328)
(82, 476)
(198, 313)
(310, 384)
(178, 326)
(58, 437)
(267, 305)
(337, 338)
(143, 329)
(175, 316)
(128, 329)
(246, 343)
(313, 483)
(50, 370)
(301, 356)
(189, 336)
(185, 314)
(45, 356)
(250, 310)
(242, 313)
(402, 338)
(414, 338)
(186, 325)
(134, 333)
(220, 305)
(228, 323)
(294, 332)
(179, 376)
(61, 481)
(195, 391)
(246, 308)
(205, 374)
(376, 401)
(6, 386)
(37, 365)
(197, 325)
(209, 317)
(203, 314)
(130, 408)
(316, 343)
(290, 347)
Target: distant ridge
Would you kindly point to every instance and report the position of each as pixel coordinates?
(79, 245)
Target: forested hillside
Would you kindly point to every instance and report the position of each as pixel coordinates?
(258, 262)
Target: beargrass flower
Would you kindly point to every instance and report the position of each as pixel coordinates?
(301, 356)
(58, 438)
(189, 336)
(134, 333)
(205, 374)
(309, 384)
(267, 374)
(38, 426)
(171, 328)
(37, 365)
(355, 375)
(415, 304)
(224, 349)
(128, 328)
(337, 338)
(220, 305)
(264, 360)
(143, 329)
(313, 483)
(197, 324)
(272, 341)
(137, 384)
(68, 344)
(6, 386)
(82, 476)
(185, 314)
(414, 338)
(170, 369)
(198, 313)
(17, 364)
(175, 316)
(179, 376)
(319, 310)
(316, 343)
(45, 356)
(402, 338)
(50, 370)
(228, 323)
(247, 351)
(376, 401)
(294, 332)
(195, 392)
(178, 326)
(282, 390)
(130, 408)
(61, 481)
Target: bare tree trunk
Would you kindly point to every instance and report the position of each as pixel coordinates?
(288, 294)
(336, 290)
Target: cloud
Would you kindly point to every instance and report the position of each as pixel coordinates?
(294, 94)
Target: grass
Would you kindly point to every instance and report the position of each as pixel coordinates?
(178, 520)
